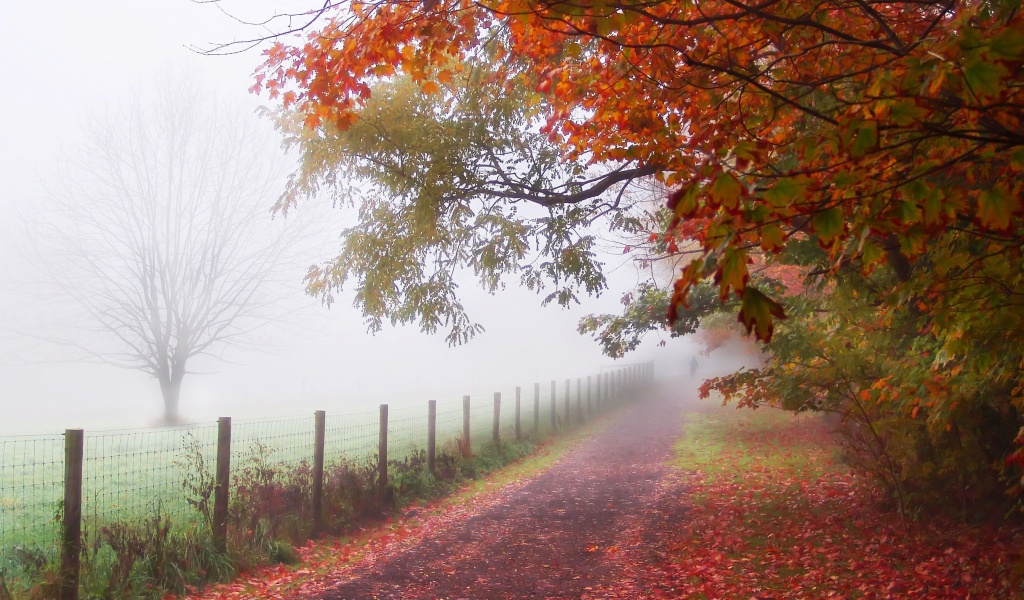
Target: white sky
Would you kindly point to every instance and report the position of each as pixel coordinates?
(63, 60)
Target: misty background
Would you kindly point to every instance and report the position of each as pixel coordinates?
(67, 64)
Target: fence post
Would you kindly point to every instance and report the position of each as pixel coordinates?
(597, 395)
(568, 402)
(220, 495)
(590, 406)
(579, 399)
(465, 425)
(554, 407)
(536, 408)
(431, 434)
(496, 437)
(320, 419)
(382, 449)
(519, 428)
(71, 542)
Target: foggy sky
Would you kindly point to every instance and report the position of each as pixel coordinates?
(66, 60)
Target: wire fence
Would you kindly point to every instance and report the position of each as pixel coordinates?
(129, 474)
(31, 486)
(132, 472)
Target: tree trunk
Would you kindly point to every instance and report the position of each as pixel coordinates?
(170, 387)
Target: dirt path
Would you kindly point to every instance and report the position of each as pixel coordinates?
(585, 528)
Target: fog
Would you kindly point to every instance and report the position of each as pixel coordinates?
(67, 62)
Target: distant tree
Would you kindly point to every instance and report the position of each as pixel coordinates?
(159, 234)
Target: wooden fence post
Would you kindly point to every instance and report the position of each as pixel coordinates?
(598, 392)
(382, 450)
(590, 406)
(465, 426)
(554, 407)
(519, 427)
(431, 434)
(320, 422)
(496, 436)
(536, 408)
(223, 485)
(71, 542)
(568, 402)
(579, 399)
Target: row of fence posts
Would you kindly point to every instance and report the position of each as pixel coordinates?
(615, 383)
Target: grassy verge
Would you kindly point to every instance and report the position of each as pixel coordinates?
(774, 514)
(724, 442)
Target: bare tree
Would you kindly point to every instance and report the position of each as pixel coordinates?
(160, 235)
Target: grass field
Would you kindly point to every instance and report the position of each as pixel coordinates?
(130, 473)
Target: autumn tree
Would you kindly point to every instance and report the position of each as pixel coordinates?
(157, 238)
(887, 136)
(768, 119)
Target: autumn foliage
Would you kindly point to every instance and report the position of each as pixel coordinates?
(874, 147)
(875, 127)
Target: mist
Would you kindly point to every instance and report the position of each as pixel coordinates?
(91, 60)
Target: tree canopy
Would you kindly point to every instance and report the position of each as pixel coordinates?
(769, 119)
(876, 149)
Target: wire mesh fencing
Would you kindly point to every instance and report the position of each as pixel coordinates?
(31, 488)
(272, 467)
(129, 473)
(407, 431)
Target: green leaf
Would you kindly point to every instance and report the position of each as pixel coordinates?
(732, 272)
(996, 208)
(865, 138)
(758, 314)
(745, 153)
(726, 191)
(871, 255)
(828, 224)
(1017, 160)
(908, 212)
(789, 190)
(683, 202)
(772, 237)
(1008, 43)
(984, 77)
(906, 112)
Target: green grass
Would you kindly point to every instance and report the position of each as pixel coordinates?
(730, 442)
